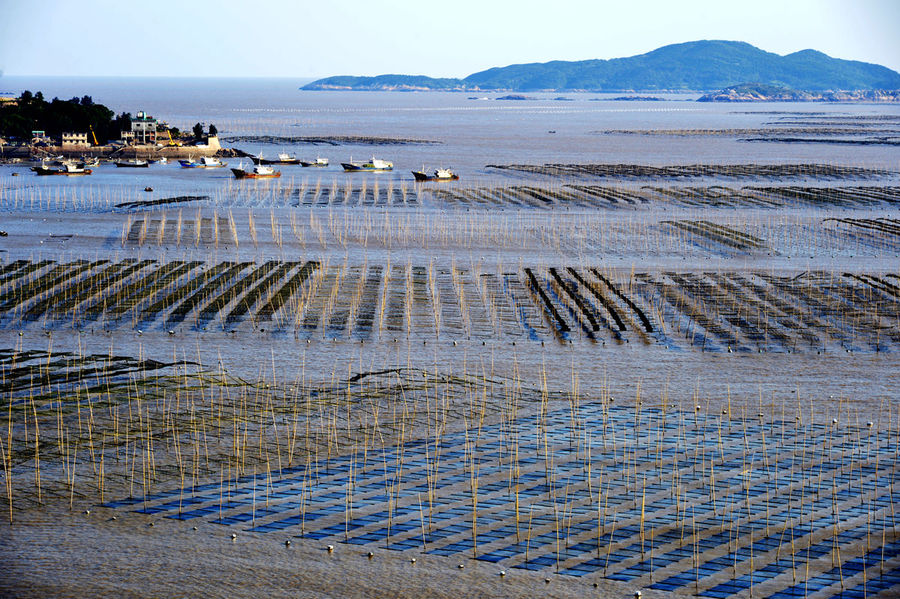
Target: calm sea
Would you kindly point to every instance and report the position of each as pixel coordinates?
(474, 130)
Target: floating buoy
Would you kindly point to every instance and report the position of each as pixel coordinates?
(412, 560)
(148, 188)
(330, 548)
(502, 573)
(287, 543)
(370, 555)
(461, 566)
(233, 536)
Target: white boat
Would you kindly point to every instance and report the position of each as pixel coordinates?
(376, 164)
(441, 174)
(260, 171)
(132, 163)
(283, 158)
(317, 162)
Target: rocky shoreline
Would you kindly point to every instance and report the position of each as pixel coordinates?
(764, 93)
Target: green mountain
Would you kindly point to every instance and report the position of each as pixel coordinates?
(702, 65)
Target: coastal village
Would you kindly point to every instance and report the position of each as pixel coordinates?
(147, 138)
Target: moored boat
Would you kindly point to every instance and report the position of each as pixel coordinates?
(260, 171)
(282, 159)
(160, 160)
(376, 164)
(204, 162)
(132, 163)
(441, 174)
(320, 162)
(68, 168)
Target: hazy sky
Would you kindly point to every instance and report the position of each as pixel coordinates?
(316, 38)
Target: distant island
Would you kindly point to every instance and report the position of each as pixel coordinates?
(692, 66)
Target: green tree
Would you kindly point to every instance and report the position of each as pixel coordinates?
(198, 131)
(213, 131)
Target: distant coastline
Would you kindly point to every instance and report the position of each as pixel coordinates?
(700, 66)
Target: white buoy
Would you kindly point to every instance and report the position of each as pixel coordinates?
(287, 543)
(330, 549)
(233, 536)
(502, 573)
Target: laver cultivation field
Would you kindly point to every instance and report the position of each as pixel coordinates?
(583, 379)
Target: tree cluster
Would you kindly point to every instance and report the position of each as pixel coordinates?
(32, 112)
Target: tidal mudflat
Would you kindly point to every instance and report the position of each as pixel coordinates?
(559, 378)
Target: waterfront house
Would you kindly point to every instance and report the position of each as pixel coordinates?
(73, 141)
(143, 129)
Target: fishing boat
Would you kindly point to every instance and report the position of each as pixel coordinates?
(320, 162)
(260, 171)
(282, 159)
(95, 161)
(441, 174)
(69, 168)
(160, 160)
(204, 162)
(132, 163)
(375, 164)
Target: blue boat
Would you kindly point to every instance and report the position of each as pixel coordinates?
(204, 162)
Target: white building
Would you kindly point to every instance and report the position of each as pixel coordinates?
(72, 140)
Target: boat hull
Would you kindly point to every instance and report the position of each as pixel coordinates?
(289, 161)
(241, 174)
(132, 165)
(420, 176)
(315, 164)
